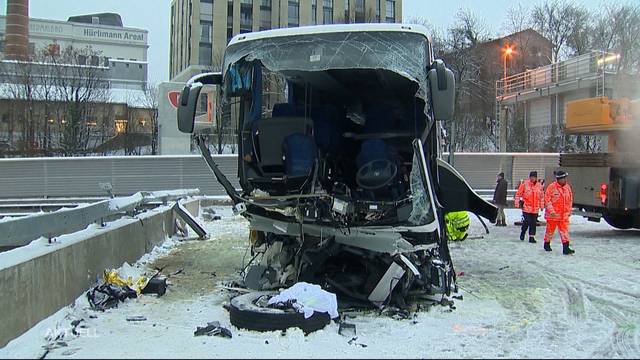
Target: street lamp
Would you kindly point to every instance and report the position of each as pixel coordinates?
(508, 51)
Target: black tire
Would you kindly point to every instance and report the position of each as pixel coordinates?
(620, 221)
(245, 314)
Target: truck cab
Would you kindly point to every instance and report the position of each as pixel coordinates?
(342, 183)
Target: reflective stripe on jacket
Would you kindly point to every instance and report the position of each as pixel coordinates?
(532, 196)
(558, 201)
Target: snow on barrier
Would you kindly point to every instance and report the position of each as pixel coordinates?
(20, 231)
(40, 278)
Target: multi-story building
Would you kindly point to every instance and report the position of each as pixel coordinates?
(200, 29)
(97, 92)
(122, 50)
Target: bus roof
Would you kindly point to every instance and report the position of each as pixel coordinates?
(325, 29)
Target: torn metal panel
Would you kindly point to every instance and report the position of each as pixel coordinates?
(374, 238)
(386, 285)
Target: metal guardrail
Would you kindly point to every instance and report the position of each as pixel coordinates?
(45, 180)
(590, 65)
(73, 177)
(23, 230)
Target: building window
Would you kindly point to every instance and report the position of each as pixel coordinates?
(205, 31)
(327, 11)
(120, 126)
(207, 1)
(347, 11)
(360, 11)
(265, 15)
(314, 12)
(390, 11)
(205, 56)
(294, 13)
(229, 20)
(246, 16)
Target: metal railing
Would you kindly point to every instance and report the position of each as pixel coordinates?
(591, 65)
(21, 231)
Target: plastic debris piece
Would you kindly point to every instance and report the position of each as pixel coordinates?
(347, 329)
(156, 285)
(353, 342)
(136, 318)
(213, 329)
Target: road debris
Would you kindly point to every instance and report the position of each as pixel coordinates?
(136, 318)
(213, 329)
(353, 342)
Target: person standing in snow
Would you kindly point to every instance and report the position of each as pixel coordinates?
(500, 199)
(558, 205)
(530, 198)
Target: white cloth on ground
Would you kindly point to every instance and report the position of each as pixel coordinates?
(309, 298)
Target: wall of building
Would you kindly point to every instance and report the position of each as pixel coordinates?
(116, 42)
(170, 140)
(126, 46)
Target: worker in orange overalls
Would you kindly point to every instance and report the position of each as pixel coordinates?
(558, 201)
(530, 198)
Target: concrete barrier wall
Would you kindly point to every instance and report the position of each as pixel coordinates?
(36, 283)
(74, 177)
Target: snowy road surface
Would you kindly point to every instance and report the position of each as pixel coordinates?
(518, 302)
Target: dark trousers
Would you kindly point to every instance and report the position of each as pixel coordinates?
(529, 222)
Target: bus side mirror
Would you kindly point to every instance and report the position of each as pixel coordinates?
(443, 90)
(189, 99)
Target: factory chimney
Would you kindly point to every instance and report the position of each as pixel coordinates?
(17, 30)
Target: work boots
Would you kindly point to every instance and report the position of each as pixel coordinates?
(532, 240)
(547, 246)
(566, 249)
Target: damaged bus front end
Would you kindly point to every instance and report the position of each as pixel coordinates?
(338, 142)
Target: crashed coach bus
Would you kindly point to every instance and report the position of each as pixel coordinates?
(339, 158)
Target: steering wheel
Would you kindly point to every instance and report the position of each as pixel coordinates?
(376, 174)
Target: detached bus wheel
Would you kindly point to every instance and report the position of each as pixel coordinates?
(620, 221)
(250, 311)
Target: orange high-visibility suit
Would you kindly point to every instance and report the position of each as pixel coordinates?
(532, 196)
(558, 201)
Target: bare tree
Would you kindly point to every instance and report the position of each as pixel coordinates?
(518, 19)
(474, 90)
(79, 84)
(558, 21)
(150, 102)
(437, 37)
(617, 29)
(21, 84)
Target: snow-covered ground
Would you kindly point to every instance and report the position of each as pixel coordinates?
(519, 301)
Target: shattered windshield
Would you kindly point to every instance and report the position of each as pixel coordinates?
(406, 54)
(421, 211)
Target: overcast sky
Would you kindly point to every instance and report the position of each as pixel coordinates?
(153, 15)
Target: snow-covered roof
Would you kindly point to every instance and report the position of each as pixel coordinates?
(132, 97)
(324, 29)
